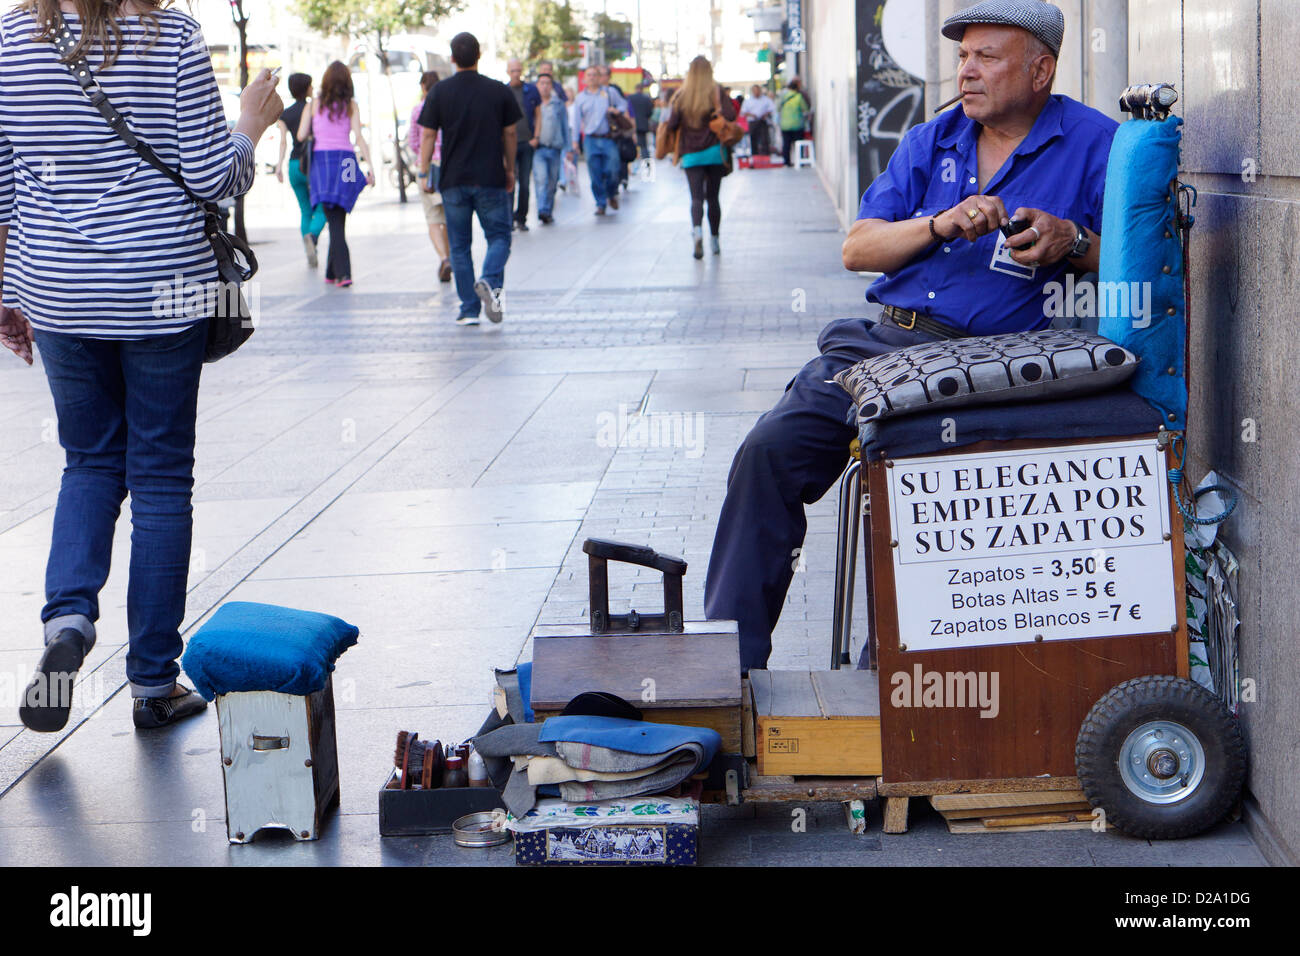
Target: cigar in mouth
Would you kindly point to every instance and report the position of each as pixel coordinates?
(943, 106)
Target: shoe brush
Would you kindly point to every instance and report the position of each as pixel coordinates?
(419, 763)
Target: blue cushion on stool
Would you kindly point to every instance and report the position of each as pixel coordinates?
(247, 646)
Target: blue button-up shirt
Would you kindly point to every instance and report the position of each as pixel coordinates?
(590, 111)
(1060, 168)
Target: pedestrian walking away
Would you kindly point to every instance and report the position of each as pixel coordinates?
(526, 96)
(931, 237)
(553, 138)
(642, 108)
(703, 157)
(477, 117)
(104, 284)
(311, 217)
(793, 110)
(593, 111)
(431, 199)
(334, 121)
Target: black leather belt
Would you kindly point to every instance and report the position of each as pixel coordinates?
(911, 321)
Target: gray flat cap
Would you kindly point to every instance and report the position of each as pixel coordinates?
(1042, 19)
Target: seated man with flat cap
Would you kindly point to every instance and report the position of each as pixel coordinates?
(930, 224)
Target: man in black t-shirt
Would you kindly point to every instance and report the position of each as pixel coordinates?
(641, 106)
(477, 116)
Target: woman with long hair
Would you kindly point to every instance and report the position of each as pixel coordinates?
(335, 122)
(109, 273)
(700, 152)
(311, 218)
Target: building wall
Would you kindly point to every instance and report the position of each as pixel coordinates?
(1231, 60)
(830, 72)
(1092, 67)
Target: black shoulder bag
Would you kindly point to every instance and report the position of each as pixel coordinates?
(231, 324)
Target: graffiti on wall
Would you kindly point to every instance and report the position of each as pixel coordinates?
(891, 100)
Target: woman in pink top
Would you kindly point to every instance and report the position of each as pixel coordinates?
(433, 211)
(335, 174)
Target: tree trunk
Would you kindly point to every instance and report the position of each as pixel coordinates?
(403, 174)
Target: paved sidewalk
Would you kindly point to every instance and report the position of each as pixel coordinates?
(432, 484)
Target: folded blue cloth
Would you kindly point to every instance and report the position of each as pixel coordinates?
(525, 672)
(631, 736)
(247, 646)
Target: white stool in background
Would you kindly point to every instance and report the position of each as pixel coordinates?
(803, 153)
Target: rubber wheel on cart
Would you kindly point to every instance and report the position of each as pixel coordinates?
(1162, 756)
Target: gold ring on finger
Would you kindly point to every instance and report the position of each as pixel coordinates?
(972, 213)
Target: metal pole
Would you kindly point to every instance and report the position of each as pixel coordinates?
(241, 23)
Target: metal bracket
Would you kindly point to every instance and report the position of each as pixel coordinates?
(733, 788)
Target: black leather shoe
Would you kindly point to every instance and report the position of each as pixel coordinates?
(151, 712)
(48, 698)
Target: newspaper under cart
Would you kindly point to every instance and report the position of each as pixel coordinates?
(643, 831)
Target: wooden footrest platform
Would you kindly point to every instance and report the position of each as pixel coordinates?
(1012, 812)
(992, 806)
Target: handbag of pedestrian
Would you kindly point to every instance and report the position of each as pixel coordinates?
(627, 150)
(666, 141)
(308, 146)
(728, 132)
(230, 325)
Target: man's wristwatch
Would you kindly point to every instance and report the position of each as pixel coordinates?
(1082, 243)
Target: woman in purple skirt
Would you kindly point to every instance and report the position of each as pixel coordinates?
(336, 180)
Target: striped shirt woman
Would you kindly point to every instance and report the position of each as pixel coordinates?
(98, 238)
(105, 259)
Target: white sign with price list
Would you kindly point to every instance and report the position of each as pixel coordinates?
(1047, 544)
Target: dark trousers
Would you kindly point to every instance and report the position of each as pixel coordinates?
(704, 182)
(788, 138)
(760, 137)
(790, 458)
(338, 262)
(126, 412)
(523, 175)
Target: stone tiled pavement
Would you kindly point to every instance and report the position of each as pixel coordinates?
(433, 484)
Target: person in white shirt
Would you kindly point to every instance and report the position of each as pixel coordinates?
(759, 109)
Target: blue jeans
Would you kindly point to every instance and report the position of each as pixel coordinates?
(602, 165)
(460, 203)
(126, 415)
(547, 163)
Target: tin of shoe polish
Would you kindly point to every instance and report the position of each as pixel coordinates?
(481, 829)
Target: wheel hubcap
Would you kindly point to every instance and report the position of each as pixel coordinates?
(1162, 762)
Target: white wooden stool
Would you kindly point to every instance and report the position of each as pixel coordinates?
(280, 760)
(803, 153)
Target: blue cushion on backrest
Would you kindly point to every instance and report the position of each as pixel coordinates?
(1140, 210)
(247, 646)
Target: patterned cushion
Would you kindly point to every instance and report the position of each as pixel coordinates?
(984, 370)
